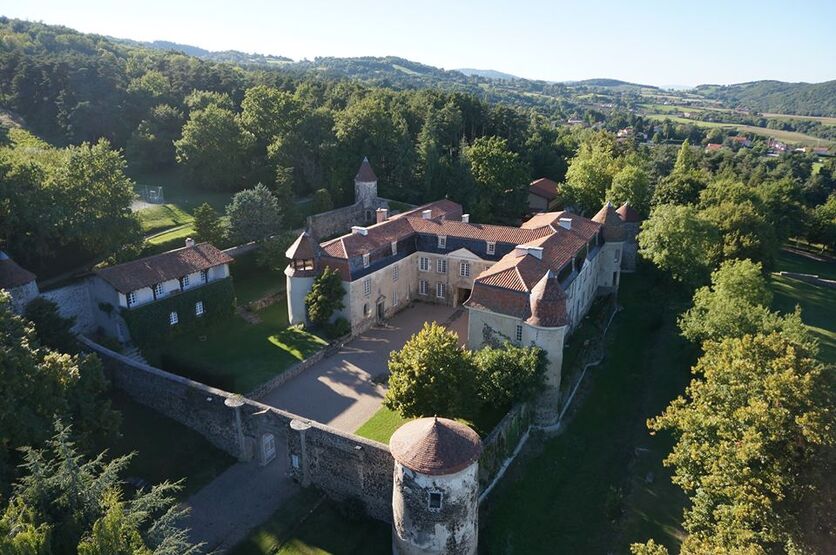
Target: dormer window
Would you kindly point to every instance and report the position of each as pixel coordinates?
(491, 247)
(131, 298)
(366, 258)
(394, 248)
(442, 241)
(158, 290)
(204, 276)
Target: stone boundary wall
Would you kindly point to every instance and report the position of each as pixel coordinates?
(499, 446)
(812, 279)
(334, 222)
(240, 250)
(346, 467)
(74, 301)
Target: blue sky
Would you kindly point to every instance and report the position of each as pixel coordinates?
(657, 42)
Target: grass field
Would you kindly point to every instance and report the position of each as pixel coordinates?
(161, 217)
(382, 425)
(308, 525)
(823, 119)
(786, 136)
(237, 356)
(818, 304)
(600, 485)
(178, 193)
(166, 450)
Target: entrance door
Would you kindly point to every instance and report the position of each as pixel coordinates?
(462, 295)
(381, 310)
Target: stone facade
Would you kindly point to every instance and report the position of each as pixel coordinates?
(74, 301)
(631, 247)
(22, 295)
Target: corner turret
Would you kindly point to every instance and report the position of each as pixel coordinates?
(300, 272)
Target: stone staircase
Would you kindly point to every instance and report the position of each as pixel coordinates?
(132, 352)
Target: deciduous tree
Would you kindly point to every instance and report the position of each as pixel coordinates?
(254, 214)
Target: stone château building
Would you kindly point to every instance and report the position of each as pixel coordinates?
(530, 285)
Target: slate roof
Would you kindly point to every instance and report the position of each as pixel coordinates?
(12, 275)
(151, 270)
(435, 446)
(365, 173)
(543, 187)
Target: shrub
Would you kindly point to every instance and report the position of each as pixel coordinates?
(325, 297)
(510, 374)
(338, 328)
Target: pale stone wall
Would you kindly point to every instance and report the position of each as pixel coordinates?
(361, 309)
(75, 301)
(453, 529)
(631, 247)
(22, 295)
(297, 289)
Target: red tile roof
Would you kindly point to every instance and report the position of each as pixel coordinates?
(12, 275)
(435, 446)
(543, 187)
(175, 264)
(303, 248)
(365, 173)
(608, 217)
(628, 214)
(497, 233)
(548, 303)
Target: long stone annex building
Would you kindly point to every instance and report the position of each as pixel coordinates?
(530, 285)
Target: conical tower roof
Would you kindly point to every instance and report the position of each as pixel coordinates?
(435, 446)
(628, 214)
(303, 248)
(548, 303)
(611, 222)
(365, 174)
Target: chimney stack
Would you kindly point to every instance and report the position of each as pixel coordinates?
(189, 242)
(536, 252)
(359, 230)
(382, 214)
(427, 214)
(466, 218)
(565, 223)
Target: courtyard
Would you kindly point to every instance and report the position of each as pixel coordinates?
(346, 389)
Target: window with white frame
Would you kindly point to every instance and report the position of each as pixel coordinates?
(396, 272)
(198, 308)
(173, 319)
(423, 287)
(442, 241)
(158, 290)
(518, 333)
(366, 260)
(131, 298)
(491, 247)
(204, 276)
(441, 265)
(616, 254)
(185, 281)
(367, 287)
(394, 248)
(435, 500)
(424, 264)
(464, 269)
(439, 289)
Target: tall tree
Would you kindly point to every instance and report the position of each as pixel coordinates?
(254, 214)
(500, 178)
(589, 177)
(208, 225)
(325, 297)
(631, 184)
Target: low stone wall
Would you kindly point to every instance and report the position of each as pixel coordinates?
(74, 301)
(500, 445)
(344, 466)
(335, 222)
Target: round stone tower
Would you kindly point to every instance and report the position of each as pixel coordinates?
(300, 272)
(435, 496)
(365, 186)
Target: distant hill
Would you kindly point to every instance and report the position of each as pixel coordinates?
(610, 83)
(488, 73)
(806, 99)
(232, 56)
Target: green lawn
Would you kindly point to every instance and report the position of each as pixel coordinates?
(382, 425)
(180, 194)
(253, 282)
(161, 217)
(238, 356)
(306, 525)
(600, 485)
(165, 449)
(179, 234)
(791, 262)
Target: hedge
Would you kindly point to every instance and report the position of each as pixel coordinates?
(149, 324)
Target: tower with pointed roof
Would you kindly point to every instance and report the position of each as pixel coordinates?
(301, 272)
(631, 221)
(613, 233)
(365, 187)
(435, 494)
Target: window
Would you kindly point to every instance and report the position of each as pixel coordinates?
(442, 241)
(441, 265)
(396, 272)
(435, 499)
(439, 289)
(198, 308)
(366, 310)
(366, 260)
(464, 269)
(491, 247)
(185, 281)
(367, 287)
(423, 287)
(518, 333)
(173, 319)
(131, 298)
(616, 255)
(204, 276)
(294, 461)
(158, 290)
(424, 264)
(394, 248)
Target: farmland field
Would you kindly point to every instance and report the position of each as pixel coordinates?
(786, 136)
